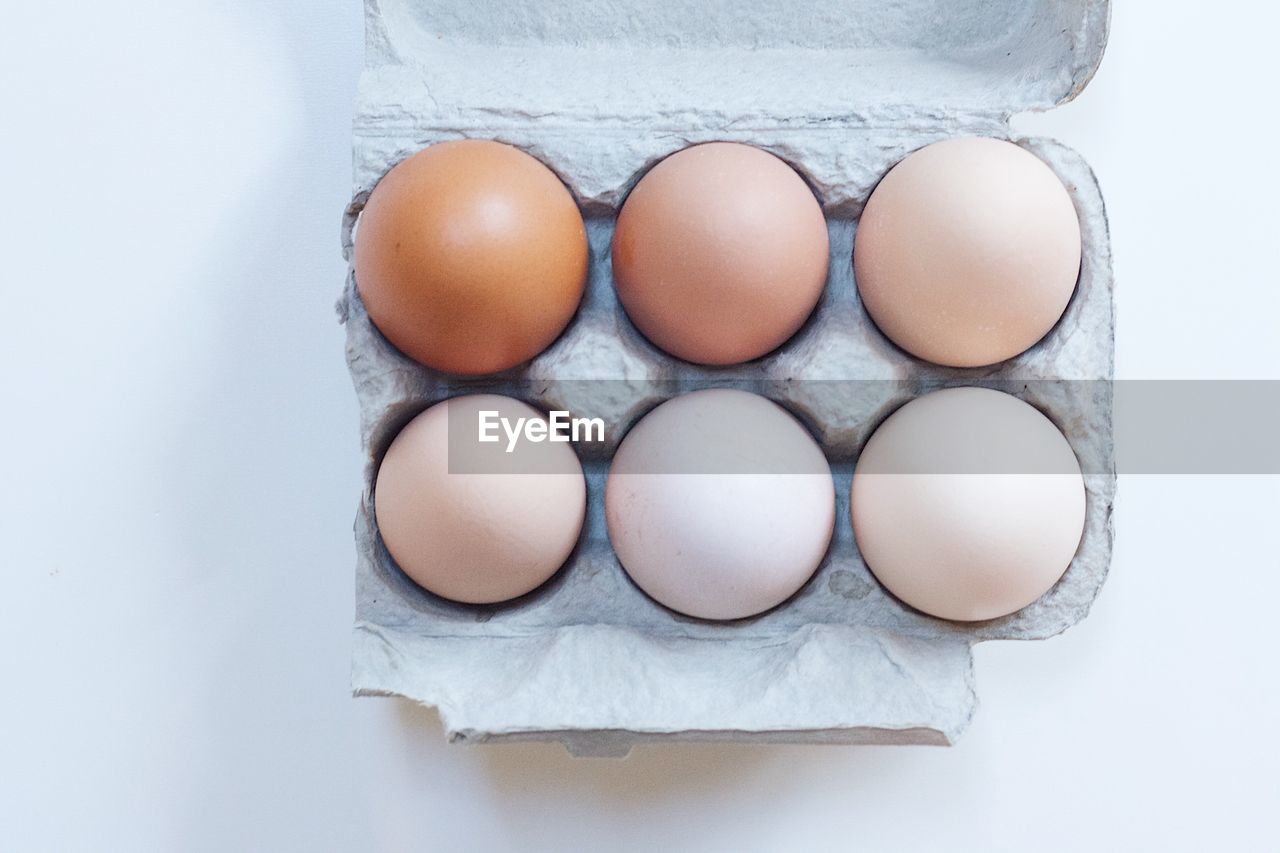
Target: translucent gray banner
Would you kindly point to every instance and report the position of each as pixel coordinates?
(1199, 427)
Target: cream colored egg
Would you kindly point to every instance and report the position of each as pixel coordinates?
(968, 504)
(967, 252)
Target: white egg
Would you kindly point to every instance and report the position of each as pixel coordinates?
(720, 505)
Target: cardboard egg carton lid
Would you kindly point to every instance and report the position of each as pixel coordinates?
(600, 92)
(762, 61)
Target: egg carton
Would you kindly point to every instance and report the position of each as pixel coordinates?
(600, 92)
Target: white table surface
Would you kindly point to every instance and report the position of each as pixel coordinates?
(181, 468)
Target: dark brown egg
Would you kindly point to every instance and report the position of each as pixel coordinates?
(471, 257)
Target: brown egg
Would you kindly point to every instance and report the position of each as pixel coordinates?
(967, 252)
(471, 256)
(720, 253)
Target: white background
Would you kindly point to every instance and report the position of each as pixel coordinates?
(180, 469)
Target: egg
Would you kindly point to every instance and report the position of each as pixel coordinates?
(719, 504)
(967, 252)
(968, 504)
(720, 253)
(468, 520)
(471, 257)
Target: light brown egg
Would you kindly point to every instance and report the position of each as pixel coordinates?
(471, 257)
(720, 253)
(470, 521)
(968, 504)
(967, 252)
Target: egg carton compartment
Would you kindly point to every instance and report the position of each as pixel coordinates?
(588, 659)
